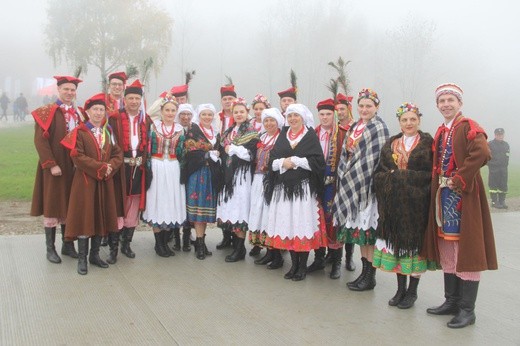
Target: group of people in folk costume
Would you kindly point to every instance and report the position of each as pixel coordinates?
(410, 201)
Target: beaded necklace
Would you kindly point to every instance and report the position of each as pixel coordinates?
(292, 136)
(165, 132)
(209, 136)
(446, 143)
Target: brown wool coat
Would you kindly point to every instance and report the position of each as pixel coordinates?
(51, 193)
(119, 177)
(92, 209)
(476, 243)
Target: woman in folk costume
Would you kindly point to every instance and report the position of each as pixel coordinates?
(272, 120)
(293, 184)
(355, 205)
(402, 185)
(201, 172)
(166, 196)
(92, 209)
(237, 151)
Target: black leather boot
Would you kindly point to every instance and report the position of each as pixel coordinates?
(226, 238)
(301, 273)
(349, 263)
(367, 282)
(364, 261)
(328, 256)
(126, 238)
(176, 239)
(200, 248)
(67, 247)
(186, 234)
(277, 261)
(268, 257)
(50, 237)
(452, 295)
(159, 244)
(255, 251)
(319, 260)
(295, 260)
(502, 201)
(104, 241)
(466, 315)
(411, 294)
(401, 290)
(113, 244)
(93, 258)
(206, 251)
(166, 238)
(240, 251)
(494, 199)
(82, 256)
(336, 256)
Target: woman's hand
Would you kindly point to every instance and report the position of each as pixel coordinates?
(288, 164)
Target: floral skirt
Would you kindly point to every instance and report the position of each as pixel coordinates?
(201, 202)
(386, 260)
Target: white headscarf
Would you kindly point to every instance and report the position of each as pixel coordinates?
(184, 107)
(275, 114)
(303, 111)
(207, 107)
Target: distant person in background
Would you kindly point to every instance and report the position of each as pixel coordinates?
(21, 105)
(498, 170)
(4, 102)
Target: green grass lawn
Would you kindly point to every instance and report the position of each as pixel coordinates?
(18, 160)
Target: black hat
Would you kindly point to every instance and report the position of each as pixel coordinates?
(499, 131)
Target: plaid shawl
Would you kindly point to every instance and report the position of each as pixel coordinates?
(356, 171)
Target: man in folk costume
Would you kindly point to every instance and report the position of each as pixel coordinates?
(228, 95)
(55, 168)
(331, 138)
(130, 128)
(459, 234)
(115, 96)
(92, 209)
(288, 96)
(345, 121)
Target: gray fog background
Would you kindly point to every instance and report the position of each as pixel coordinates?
(475, 44)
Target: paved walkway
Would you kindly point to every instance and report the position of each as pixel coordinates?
(181, 300)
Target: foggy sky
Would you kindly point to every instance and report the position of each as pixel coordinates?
(476, 45)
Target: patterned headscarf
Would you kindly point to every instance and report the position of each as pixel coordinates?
(368, 94)
(407, 107)
(259, 98)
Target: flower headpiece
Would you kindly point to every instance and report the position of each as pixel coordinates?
(259, 98)
(368, 94)
(240, 101)
(407, 107)
(166, 100)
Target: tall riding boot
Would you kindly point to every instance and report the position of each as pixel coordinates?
(401, 290)
(452, 295)
(50, 237)
(199, 246)
(113, 243)
(93, 258)
(255, 251)
(411, 294)
(319, 260)
(494, 199)
(336, 256)
(82, 256)
(104, 241)
(328, 256)
(301, 273)
(502, 201)
(166, 238)
(364, 261)
(367, 282)
(159, 244)
(67, 247)
(295, 260)
(277, 261)
(186, 234)
(240, 251)
(268, 257)
(226, 238)
(349, 263)
(176, 239)
(206, 251)
(126, 239)
(466, 315)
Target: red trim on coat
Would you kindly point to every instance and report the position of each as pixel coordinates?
(44, 116)
(48, 164)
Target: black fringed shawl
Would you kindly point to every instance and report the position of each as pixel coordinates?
(195, 155)
(232, 166)
(403, 196)
(292, 181)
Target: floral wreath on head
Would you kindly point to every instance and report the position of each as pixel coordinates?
(368, 94)
(259, 98)
(171, 99)
(240, 101)
(407, 107)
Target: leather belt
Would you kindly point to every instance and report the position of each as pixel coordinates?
(134, 161)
